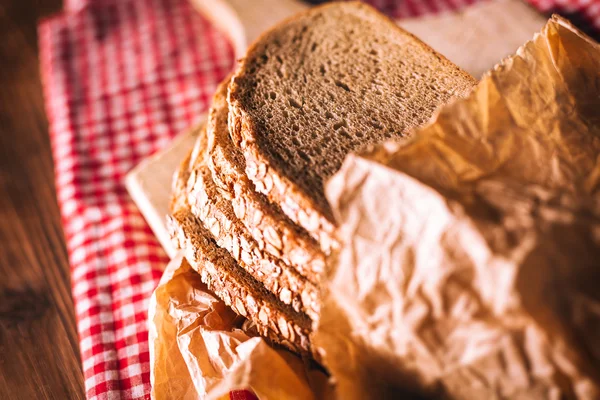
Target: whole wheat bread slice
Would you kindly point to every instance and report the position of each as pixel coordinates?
(218, 270)
(269, 226)
(217, 215)
(324, 83)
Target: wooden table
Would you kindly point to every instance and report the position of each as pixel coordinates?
(39, 352)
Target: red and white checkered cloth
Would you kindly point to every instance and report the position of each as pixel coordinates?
(121, 78)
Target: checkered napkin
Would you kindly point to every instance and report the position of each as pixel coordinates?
(121, 78)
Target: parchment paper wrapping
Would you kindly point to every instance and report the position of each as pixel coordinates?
(198, 350)
(471, 264)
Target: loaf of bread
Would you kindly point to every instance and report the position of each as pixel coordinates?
(248, 207)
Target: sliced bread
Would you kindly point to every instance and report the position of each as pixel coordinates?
(276, 321)
(269, 226)
(324, 83)
(218, 217)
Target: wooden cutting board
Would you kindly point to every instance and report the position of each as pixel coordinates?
(149, 184)
(479, 37)
(475, 40)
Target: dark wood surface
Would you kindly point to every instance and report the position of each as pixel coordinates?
(39, 353)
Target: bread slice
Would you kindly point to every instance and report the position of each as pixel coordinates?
(269, 226)
(218, 270)
(217, 215)
(324, 83)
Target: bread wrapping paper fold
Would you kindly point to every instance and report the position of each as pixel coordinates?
(471, 263)
(199, 351)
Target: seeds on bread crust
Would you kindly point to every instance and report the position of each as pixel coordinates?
(220, 273)
(218, 217)
(279, 189)
(269, 226)
(228, 280)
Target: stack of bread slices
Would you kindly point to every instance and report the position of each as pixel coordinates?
(248, 205)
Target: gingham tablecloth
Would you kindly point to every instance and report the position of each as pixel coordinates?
(121, 78)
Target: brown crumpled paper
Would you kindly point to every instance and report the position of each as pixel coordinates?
(199, 351)
(471, 264)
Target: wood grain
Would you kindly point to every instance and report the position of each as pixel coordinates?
(39, 353)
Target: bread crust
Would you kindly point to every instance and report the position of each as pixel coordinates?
(217, 215)
(267, 223)
(225, 278)
(278, 322)
(278, 188)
